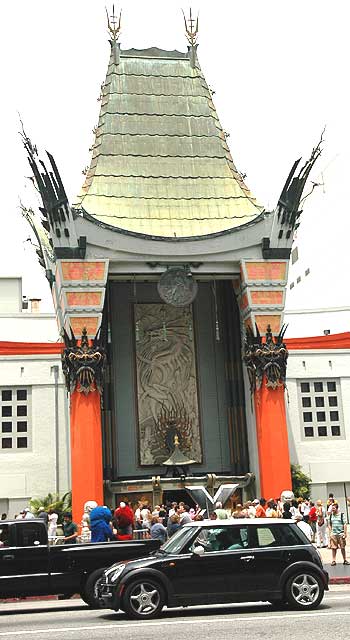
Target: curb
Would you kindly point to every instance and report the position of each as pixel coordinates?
(36, 598)
(339, 580)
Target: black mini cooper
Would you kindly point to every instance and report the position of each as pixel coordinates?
(219, 561)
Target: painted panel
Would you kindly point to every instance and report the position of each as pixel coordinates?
(84, 271)
(265, 270)
(79, 322)
(167, 397)
(263, 320)
(262, 297)
(84, 298)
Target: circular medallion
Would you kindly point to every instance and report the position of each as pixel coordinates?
(177, 287)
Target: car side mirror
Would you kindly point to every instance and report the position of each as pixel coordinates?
(199, 551)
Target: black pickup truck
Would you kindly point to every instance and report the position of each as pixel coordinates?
(29, 566)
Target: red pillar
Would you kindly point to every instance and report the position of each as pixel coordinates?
(272, 436)
(86, 451)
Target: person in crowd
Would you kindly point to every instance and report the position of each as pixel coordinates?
(158, 530)
(330, 502)
(137, 516)
(313, 520)
(163, 514)
(100, 525)
(220, 512)
(70, 529)
(286, 511)
(184, 513)
(251, 509)
(173, 524)
(304, 526)
(199, 517)
(173, 509)
(4, 516)
(124, 519)
(321, 525)
(52, 523)
(338, 531)
(28, 515)
(43, 515)
(260, 509)
(271, 509)
(294, 508)
(212, 516)
(237, 512)
(305, 509)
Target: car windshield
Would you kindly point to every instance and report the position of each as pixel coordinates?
(178, 540)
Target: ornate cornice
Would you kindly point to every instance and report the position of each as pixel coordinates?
(265, 358)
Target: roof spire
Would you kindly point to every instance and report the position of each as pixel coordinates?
(114, 27)
(191, 29)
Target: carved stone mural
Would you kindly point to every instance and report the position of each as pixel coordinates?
(166, 383)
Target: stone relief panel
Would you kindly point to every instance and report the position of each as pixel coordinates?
(166, 383)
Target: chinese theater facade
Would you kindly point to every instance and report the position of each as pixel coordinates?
(169, 282)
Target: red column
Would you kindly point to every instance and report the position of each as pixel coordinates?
(86, 451)
(272, 436)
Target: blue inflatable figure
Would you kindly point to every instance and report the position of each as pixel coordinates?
(101, 530)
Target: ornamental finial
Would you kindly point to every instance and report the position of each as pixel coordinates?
(114, 24)
(191, 28)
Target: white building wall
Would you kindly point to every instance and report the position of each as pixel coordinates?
(326, 460)
(45, 467)
(28, 327)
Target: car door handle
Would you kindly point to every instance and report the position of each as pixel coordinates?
(247, 558)
(8, 557)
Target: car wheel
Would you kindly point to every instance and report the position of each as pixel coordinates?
(304, 590)
(143, 598)
(89, 592)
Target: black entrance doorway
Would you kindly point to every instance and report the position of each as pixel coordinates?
(180, 495)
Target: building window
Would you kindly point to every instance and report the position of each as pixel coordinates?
(324, 417)
(294, 255)
(15, 413)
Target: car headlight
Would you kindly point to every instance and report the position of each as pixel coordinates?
(113, 573)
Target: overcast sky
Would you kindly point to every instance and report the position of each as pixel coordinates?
(280, 74)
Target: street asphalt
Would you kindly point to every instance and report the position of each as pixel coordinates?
(71, 619)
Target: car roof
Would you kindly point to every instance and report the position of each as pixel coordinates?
(26, 520)
(239, 522)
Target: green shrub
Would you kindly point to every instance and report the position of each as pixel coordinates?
(54, 502)
(300, 482)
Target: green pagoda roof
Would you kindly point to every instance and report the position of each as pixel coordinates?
(160, 163)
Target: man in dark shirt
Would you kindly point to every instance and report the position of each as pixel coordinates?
(43, 515)
(70, 529)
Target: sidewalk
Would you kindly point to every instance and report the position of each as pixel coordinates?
(340, 574)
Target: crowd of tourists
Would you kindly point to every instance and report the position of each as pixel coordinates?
(323, 523)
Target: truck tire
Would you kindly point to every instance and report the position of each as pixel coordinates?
(89, 590)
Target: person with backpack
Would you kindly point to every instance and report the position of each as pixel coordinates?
(337, 531)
